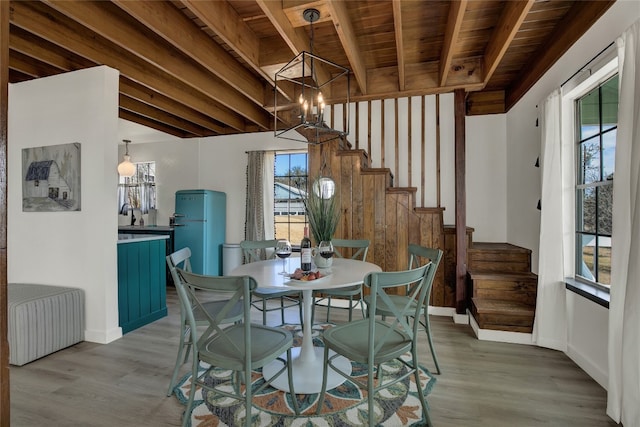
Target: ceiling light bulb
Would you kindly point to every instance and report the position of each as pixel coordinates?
(126, 168)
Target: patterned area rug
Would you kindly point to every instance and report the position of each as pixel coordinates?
(397, 405)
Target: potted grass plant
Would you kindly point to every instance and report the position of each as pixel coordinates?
(323, 213)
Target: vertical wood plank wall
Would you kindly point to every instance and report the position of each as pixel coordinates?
(373, 204)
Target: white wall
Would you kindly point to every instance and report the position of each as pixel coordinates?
(587, 322)
(75, 249)
(486, 178)
(587, 336)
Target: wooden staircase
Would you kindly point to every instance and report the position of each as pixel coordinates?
(373, 208)
(502, 288)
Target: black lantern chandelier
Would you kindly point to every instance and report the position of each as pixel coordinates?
(307, 123)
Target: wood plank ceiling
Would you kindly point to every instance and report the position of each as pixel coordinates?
(195, 68)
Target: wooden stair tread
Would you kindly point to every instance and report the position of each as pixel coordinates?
(493, 306)
(497, 247)
(492, 275)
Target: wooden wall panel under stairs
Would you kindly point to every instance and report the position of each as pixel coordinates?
(372, 208)
(502, 289)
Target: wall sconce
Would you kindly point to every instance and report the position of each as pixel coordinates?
(126, 168)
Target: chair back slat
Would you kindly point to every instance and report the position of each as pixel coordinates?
(346, 245)
(257, 250)
(238, 288)
(378, 282)
(179, 259)
(418, 253)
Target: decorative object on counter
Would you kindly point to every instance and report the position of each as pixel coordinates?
(309, 73)
(152, 217)
(51, 178)
(126, 168)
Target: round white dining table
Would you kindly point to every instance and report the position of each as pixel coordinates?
(308, 360)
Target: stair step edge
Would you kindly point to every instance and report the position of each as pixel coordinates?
(491, 306)
(493, 275)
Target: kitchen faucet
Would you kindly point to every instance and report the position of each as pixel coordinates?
(124, 210)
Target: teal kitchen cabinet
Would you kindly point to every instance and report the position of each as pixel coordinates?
(142, 282)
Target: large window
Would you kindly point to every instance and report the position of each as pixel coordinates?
(290, 181)
(597, 119)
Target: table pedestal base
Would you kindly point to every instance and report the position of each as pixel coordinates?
(307, 372)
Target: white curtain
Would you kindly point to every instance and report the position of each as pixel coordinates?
(549, 327)
(259, 219)
(624, 309)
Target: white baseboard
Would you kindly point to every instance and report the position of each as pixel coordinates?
(499, 336)
(103, 337)
(588, 366)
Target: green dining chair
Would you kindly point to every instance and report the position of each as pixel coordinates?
(417, 255)
(181, 258)
(354, 249)
(373, 341)
(241, 347)
(257, 250)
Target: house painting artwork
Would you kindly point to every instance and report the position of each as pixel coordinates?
(51, 178)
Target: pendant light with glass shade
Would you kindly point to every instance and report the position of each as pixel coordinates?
(126, 168)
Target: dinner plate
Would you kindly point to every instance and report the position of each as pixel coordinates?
(324, 275)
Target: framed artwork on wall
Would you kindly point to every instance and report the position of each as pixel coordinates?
(51, 178)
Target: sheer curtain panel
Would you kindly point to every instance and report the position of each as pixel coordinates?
(624, 308)
(549, 327)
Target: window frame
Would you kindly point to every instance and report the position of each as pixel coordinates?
(295, 244)
(581, 185)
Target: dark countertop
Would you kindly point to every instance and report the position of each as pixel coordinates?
(146, 228)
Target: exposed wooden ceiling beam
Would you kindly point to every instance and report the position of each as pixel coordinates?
(61, 31)
(397, 26)
(178, 30)
(39, 50)
(101, 18)
(150, 97)
(349, 41)
(161, 116)
(451, 34)
(510, 21)
(583, 14)
(23, 63)
(295, 38)
(145, 121)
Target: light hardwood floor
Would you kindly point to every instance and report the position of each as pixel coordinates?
(483, 383)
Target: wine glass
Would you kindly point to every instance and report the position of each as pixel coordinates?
(283, 251)
(326, 249)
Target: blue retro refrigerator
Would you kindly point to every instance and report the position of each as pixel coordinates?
(200, 222)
